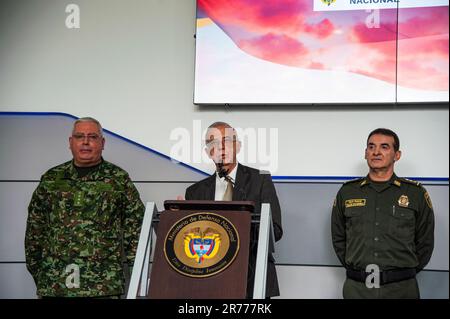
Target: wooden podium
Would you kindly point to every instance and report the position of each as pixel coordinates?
(201, 251)
(186, 277)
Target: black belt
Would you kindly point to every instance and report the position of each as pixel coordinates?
(386, 276)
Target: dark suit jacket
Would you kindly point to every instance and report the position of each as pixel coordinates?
(251, 185)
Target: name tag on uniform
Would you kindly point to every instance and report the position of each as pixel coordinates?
(355, 203)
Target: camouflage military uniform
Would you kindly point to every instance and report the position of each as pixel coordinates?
(388, 224)
(83, 223)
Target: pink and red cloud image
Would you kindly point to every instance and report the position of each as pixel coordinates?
(407, 47)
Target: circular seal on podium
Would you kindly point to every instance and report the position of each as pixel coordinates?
(201, 245)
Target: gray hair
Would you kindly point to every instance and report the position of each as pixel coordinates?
(219, 124)
(216, 125)
(88, 119)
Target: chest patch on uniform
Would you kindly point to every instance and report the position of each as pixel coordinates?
(403, 201)
(355, 203)
(78, 199)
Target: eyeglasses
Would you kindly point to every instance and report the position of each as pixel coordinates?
(89, 137)
(226, 140)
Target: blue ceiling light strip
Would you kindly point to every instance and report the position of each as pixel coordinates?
(348, 178)
(38, 114)
(441, 180)
(319, 178)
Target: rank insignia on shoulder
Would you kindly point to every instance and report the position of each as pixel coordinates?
(410, 181)
(355, 202)
(356, 180)
(428, 200)
(403, 201)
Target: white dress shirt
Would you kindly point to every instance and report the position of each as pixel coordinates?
(221, 183)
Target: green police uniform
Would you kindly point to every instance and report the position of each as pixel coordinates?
(79, 227)
(389, 224)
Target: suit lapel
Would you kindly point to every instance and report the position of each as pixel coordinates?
(242, 177)
(210, 187)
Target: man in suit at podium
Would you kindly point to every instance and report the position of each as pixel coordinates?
(234, 181)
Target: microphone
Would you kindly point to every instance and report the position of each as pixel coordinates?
(222, 172)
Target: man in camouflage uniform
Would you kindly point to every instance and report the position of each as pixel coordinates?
(382, 226)
(83, 215)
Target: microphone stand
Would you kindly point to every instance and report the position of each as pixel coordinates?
(224, 173)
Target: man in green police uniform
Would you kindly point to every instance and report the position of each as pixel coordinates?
(83, 219)
(382, 226)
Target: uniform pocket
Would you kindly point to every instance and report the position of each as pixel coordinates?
(104, 208)
(403, 222)
(62, 207)
(354, 219)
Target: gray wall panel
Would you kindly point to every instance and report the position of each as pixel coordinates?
(300, 282)
(33, 144)
(16, 282)
(30, 145)
(159, 192)
(306, 223)
(440, 258)
(14, 200)
(433, 284)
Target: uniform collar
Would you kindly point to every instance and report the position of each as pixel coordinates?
(394, 180)
(72, 172)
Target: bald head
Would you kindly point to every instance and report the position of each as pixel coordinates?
(217, 127)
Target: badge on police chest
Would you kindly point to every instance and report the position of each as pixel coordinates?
(403, 201)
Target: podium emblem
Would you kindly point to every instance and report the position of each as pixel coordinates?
(201, 245)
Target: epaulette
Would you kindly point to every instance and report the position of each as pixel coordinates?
(410, 181)
(356, 180)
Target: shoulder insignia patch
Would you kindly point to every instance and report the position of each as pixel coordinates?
(410, 181)
(428, 200)
(355, 180)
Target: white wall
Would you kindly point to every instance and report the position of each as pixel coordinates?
(131, 65)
